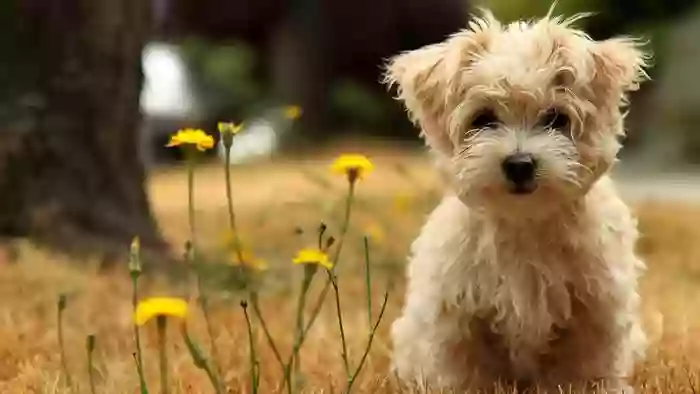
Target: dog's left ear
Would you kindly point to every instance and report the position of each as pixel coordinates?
(620, 65)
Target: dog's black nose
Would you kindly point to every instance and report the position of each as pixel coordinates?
(519, 168)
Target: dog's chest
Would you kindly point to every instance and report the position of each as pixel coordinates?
(521, 282)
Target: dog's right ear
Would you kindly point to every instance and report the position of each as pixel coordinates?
(620, 67)
(426, 78)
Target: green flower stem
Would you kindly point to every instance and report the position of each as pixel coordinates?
(137, 337)
(204, 305)
(355, 374)
(190, 194)
(61, 307)
(199, 360)
(346, 223)
(300, 338)
(344, 354)
(252, 294)
(202, 299)
(368, 283)
(161, 322)
(143, 389)
(271, 342)
(294, 359)
(254, 366)
(229, 200)
(318, 305)
(90, 347)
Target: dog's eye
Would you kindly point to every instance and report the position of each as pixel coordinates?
(554, 119)
(485, 119)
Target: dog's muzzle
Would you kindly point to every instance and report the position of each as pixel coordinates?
(520, 170)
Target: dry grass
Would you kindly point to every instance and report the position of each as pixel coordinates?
(272, 200)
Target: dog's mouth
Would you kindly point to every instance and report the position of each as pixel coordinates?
(522, 188)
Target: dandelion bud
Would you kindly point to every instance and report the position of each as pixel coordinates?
(135, 256)
(226, 131)
(329, 242)
(189, 252)
(244, 304)
(62, 299)
(90, 343)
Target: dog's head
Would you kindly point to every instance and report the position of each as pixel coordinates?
(522, 115)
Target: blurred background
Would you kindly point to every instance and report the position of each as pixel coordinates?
(91, 89)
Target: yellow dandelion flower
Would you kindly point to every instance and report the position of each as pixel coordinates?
(195, 137)
(312, 256)
(292, 112)
(159, 306)
(353, 165)
(229, 127)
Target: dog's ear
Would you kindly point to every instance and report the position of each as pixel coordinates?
(420, 81)
(426, 77)
(620, 65)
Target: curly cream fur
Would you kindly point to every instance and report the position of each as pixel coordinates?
(537, 289)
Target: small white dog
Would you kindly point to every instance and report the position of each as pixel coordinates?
(526, 272)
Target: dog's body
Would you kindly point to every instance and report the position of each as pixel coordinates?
(526, 272)
(492, 300)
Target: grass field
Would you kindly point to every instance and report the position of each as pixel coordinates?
(279, 208)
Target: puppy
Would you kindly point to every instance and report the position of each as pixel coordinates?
(525, 272)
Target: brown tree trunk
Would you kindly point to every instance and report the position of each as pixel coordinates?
(301, 64)
(74, 180)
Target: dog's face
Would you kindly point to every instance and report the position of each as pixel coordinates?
(521, 116)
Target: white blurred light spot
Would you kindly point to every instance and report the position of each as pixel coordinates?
(166, 91)
(256, 140)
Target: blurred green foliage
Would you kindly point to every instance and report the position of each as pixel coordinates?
(357, 106)
(511, 10)
(224, 76)
(648, 19)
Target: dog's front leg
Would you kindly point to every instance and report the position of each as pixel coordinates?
(436, 349)
(422, 346)
(597, 350)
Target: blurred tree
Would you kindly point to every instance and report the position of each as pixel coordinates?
(301, 62)
(223, 75)
(71, 176)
